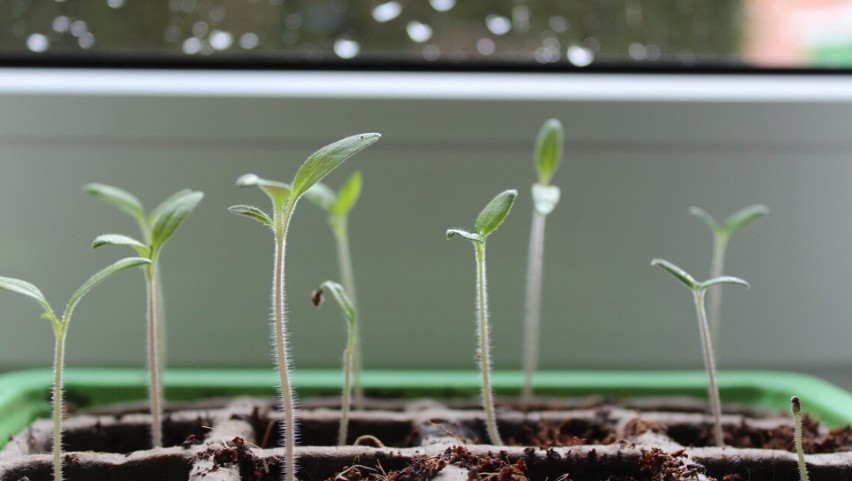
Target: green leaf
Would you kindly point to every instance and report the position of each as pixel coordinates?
(724, 280)
(322, 196)
(545, 198)
(166, 203)
(707, 218)
(326, 159)
(348, 195)
(463, 233)
(101, 276)
(744, 217)
(278, 192)
(27, 289)
(495, 212)
(342, 299)
(251, 212)
(676, 271)
(121, 240)
(170, 216)
(119, 198)
(548, 149)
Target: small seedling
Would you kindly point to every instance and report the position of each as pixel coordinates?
(721, 233)
(343, 300)
(797, 437)
(338, 205)
(60, 331)
(548, 155)
(698, 289)
(486, 222)
(284, 198)
(156, 229)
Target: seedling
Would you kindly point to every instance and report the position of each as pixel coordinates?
(698, 289)
(157, 228)
(486, 222)
(338, 205)
(284, 198)
(345, 303)
(721, 234)
(60, 330)
(797, 437)
(548, 155)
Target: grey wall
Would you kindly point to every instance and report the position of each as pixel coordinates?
(632, 169)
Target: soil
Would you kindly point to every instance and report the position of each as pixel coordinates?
(584, 440)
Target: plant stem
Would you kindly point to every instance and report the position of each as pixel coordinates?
(720, 243)
(154, 355)
(347, 389)
(288, 404)
(58, 363)
(161, 319)
(797, 438)
(344, 259)
(709, 364)
(484, 359)
(532, 314)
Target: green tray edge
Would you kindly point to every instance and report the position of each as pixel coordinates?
(25, 395)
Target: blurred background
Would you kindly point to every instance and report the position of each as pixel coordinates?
(665, 105)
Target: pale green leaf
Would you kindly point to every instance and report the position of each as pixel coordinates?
(101, 276)
(170, 215)
(724, 280)
(322, 196)
(545, 198)
(27, 289)
(251, 212)
(348, 195)
(326, 159)
(495, 212)
(548, 150)
(463, 233)
(676, 271)
(121, 240)
(278, 192)
(339, 294)
(119, 198)
(707, 218)
(744, 217)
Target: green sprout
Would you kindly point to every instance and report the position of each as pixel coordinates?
(698, 289)
(284, 198)
(548, 155)
(60, 331)
(721, 234)
(486, 222)
(797, 437)
(156, 229)
(339, 294)
(338, 205)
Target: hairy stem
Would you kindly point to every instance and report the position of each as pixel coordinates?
(720, 243)
(58, 364)
(484, 359)
(797, 438)
(710, 365)
(154, 355)
(344, 259)
(347, 387)
(287, 402)
(161, 319)
(532, 313)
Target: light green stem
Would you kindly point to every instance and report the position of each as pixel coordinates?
(709, 364)
(720, 243)
(484, 358)
(532, 314)
(287, 401)
(161, 320)
(344, 259)
(154, 356)
(58, 363)
(797, 439)
(347, 387)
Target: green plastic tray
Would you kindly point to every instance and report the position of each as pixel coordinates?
(25, 395)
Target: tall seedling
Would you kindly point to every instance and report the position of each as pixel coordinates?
(486, 222)
(156, 229)
(60, 331)
(721, 233)
(338, 205)
(548, 155)
(698, 289)
(284, 198)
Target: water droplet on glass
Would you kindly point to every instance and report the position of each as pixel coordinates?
(172, 33)
(346, 48)
(442, 5)
(486, 46)
(498, 25)
(431, 53)
(191, 46)
(521, 18)
(61, 24)
(217, 14)
(652, 51)
(188, 6)
(115, 3)
(546, 54)
(419, 32)
(200, 29)
(86, 41)
(249, 40)
(78, 27)
(293, 21)
(386, 12)
(220, 40)
(37, 43)
(558, 24)
(637, 51)
(580, 56)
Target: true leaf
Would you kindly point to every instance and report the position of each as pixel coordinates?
(744, 217)
(322, 196)
(119, 198)
(348, 195)
(545, 198)
(548, 149)
(724, 280)
(166, 204)
(27, 289)
(676, 271)
(170, 216)
(278, 192)
(326, 159)
(121, 240)
(463, 233)
(96, 279)
(251, 212)
(342, 299)
(495, 212)
(707, 218)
